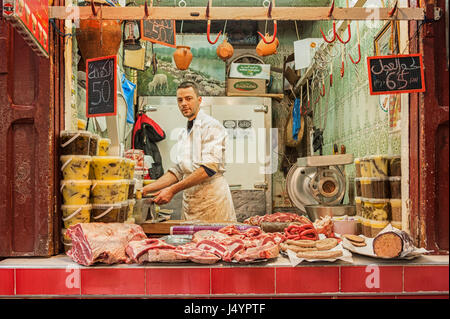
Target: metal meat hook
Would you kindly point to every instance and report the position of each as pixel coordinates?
(208, 29)
(269, 15)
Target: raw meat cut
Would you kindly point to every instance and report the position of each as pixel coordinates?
(208, 234)
(102, 242)
(155, 250)
(136, 249)
(277, 217)
(267, 251)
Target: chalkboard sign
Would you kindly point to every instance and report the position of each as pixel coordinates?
(101, 86)
(396, 74)
(159, 31)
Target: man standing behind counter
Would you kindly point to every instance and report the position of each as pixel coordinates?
(200, 165)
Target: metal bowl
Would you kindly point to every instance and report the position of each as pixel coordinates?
(316, 211)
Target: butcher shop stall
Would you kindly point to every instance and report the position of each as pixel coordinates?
(321, 129)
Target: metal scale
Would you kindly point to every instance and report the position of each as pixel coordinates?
(316, 185)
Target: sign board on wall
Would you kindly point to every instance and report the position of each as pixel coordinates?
(250, 71)
(30, 19)
(396, 74)
(101, 86)
(159, 31)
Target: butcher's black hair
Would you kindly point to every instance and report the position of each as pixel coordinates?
(189, 84)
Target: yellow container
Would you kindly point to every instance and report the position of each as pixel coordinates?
(75, 167)
(396, 210)
(138, 194)
(358, 225)
(129, 168)
(75, 214)
(106, 213)
(359, 208)
(93, 145)
(380, 209)
(358, 167)
(366, 169)
(131, 203)
(379, 166)
(75, 142)
(107, 167)
(366, 230)
(376, 226)
(125, 184)
(103, 146)
(366, 187)
(75, 192)
(123, 212)
(107, 191)
(81, 124)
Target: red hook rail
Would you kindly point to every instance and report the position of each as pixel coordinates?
(269, 15)
(208, 29)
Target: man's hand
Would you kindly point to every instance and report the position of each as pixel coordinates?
(163, 196)
(148, 189)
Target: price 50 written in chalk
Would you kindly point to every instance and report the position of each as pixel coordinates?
(102, 90)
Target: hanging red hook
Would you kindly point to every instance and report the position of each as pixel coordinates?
(359, 46)
(359, 55)
(93, 8)
(330, 13)
(394, 9)
(342, 69)
(146, 9)
(269, 15)
(334, 34)
(323, 89)
(349, 35)
(209, 27)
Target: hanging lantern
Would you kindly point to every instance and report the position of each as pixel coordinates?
(131, 33)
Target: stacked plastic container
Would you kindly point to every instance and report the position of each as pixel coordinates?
(378, 191)
(76, 152)
(111, 180)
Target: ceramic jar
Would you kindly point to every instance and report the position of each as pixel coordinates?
(182, 57)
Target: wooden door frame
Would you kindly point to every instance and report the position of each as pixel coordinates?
(423, 126)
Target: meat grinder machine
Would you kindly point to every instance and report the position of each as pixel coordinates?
(316, 185)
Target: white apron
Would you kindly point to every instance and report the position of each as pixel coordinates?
(205, 144)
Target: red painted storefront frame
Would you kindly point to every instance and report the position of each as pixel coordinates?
(428, 127)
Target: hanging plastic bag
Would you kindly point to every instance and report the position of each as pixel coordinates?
(128, 88)
(296, 120)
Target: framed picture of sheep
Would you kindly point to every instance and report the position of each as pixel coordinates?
(206, 68)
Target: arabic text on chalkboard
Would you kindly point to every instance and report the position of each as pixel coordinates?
(396, 74)
(101, 86)
(159, 31)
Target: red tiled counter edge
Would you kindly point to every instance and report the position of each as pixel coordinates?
(305, 281)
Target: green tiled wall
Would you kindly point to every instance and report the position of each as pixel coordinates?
(349, 114)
